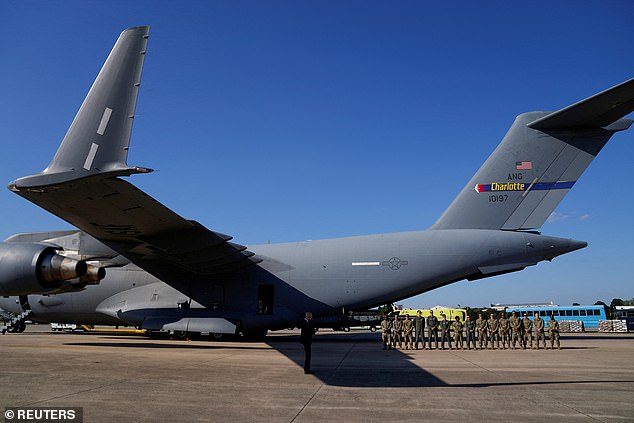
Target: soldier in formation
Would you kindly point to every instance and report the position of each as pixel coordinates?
(419, 328)
(386, 333)
(504, 331)
(481, 327)
(516, 330)
(527, 328)
(457, 333)
(445, 327)
(538, 327)
(493, 327)
(397, 328)
(408, 328)
(470, 326)
(432, 329)
(553, 332)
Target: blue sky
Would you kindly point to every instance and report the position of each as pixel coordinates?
(291, 120)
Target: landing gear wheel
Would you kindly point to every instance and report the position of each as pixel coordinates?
(21, 327)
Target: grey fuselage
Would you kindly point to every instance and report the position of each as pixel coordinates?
(325, 276)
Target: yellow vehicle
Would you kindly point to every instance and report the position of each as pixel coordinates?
(451, 313)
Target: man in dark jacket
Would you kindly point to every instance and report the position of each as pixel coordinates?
(432, 329)
(306, 338)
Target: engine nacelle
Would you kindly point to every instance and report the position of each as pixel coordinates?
(36, 268)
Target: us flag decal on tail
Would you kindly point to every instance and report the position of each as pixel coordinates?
(524, 165)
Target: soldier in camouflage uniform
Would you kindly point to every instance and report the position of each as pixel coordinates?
(481, 327)
(492, 327)
(516, 330)
(553, 332)
(457, 333)
(432, 328)
(445, 327)
(470, 325)
(408, 328)
(397, 328)
(419, 329)
(386, 332)
(504, 331)
(527, 327)
(538, 327)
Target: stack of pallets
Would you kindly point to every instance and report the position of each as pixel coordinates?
(619, 326)
(612, 326)
(570, 326)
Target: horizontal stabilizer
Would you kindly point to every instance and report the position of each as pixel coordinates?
(599, 110)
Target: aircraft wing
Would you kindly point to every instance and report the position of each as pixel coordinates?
(83, 184)
(140, 228)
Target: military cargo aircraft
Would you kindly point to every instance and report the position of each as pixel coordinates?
(132, 261)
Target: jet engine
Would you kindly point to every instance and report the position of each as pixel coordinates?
(37, 268)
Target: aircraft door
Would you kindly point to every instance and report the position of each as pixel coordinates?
(266, 295)
(217, 297)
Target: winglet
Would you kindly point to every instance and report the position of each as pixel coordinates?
(599, 110)
(98, 139)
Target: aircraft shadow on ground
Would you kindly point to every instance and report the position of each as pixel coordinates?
(332, 369)
(370, 371)
(336, 366)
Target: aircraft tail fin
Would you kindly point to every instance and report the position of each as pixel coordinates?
(538, 162)
(98, 138)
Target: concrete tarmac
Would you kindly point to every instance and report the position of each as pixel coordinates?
(136, 378)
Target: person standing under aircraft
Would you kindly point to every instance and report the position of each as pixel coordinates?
(470, 324)
(445, 327)
(527, 327)
(386, 329)
(503, 331)
(397, 328)
(481, 326)
(516, 330)
(538, 327)
(553, 332)
(419, 329)
(432, 329)
(306, 338)
(457, 333)
(408, 328)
